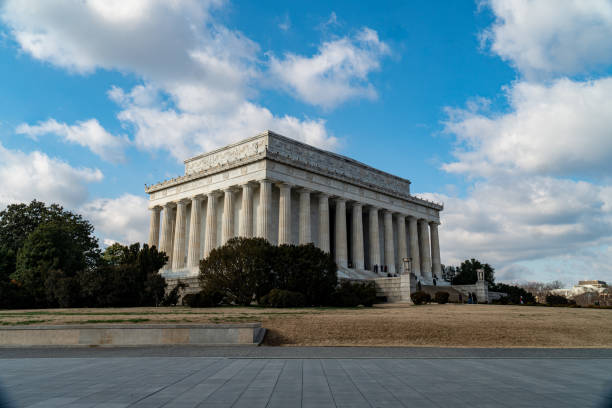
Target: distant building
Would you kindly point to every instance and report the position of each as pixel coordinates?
(587, 292)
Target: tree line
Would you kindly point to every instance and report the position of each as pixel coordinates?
(49, 257)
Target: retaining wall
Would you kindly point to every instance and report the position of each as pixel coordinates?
(133, 335)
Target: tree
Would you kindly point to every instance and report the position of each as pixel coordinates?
(305, 269)
(48, 261)
(240, 269)
(127, 276)
(514, 293)
(466, 274)
(17, 221)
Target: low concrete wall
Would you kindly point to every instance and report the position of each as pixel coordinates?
(394, 289)
(133, 335)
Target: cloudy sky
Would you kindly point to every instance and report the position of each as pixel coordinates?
(501, 109)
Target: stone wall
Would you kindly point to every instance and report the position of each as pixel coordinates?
(396, 289)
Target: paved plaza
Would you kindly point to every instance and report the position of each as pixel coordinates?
(267, 377)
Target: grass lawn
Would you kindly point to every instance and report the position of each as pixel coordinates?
(450, 325)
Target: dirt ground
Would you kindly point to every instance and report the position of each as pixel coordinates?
(450, 325)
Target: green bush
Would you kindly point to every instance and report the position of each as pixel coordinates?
(441, 297)
(305, 269)
(203, 299)
(556, 300)
(351, 294)
(172, 297)
(246, 269)
(283, 298)
(240, 269)
(418, 298)
(514, 293)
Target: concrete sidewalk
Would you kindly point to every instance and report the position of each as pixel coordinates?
(99, 379)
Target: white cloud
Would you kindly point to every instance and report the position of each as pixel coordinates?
(199, 75)
(124, 219)
(28, 176)
(562, 128)
(505, 221)
(183, 133)
(87, 133)
(338, 72)
(550, 37)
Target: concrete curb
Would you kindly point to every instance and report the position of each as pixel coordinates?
(250, 334)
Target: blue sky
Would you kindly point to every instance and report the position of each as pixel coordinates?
(480, 104)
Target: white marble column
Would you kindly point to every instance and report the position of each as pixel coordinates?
(341, 246)
(284, 214)
(414, 245)
(324, 222)
(227, 219)
(358, 236)
(374, 238)
(402, 247)
(166, 237)
(389, 247)
(210, 241)
(425, 249)
(246, 212)
(265, 206)
(178, 255)
(436, 265)
(195, 225)
(154, 227)
(305, 236)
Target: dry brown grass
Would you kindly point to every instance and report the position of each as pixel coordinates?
(449, 325)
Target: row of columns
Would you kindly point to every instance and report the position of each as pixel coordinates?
(424, 251)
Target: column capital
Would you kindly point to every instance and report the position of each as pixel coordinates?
(169, 204)
(399, 215)
(339, 199)
(198, 197)
(183, 201)
(322, 194)
(156, 208)
(303, 190)
(284, 184)
(372, 207)
(214, 193)
(434, 222)
(387, 211)
(357, 204)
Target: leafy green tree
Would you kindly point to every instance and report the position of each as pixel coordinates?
(305, 269)
(127, 276)
(18, 221)
(51, 252)
(514, 293)
(240, 269)
(466, 274)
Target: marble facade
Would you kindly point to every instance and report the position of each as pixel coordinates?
(285, 191)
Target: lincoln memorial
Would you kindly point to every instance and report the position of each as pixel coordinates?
(288, 192)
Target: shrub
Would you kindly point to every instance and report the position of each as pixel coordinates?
(351, 294)
(240, 269)
(283, 298)
(305, 269)
(514, 293)
(172, 297)
(556, 300)
(203, 298)
(441, 297)
(418, 298)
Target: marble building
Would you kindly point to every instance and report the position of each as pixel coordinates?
(285, 191)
